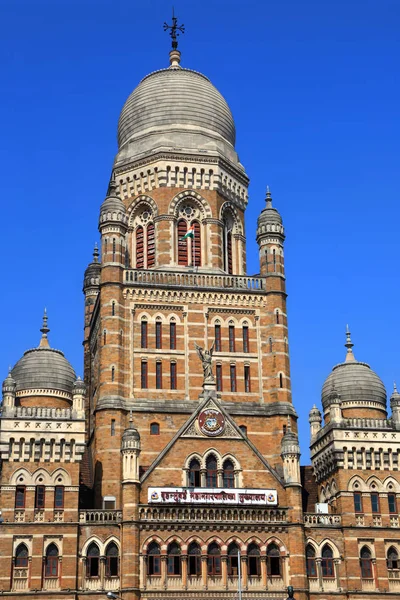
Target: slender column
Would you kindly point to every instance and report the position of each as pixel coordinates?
(224, 564)
(319, 572)
(204, 571)
(263, 572)
(164, 572)
(244, 569)
(102, 571)
(184, 563)
(337, 574)
(143, 571)
(83, 572)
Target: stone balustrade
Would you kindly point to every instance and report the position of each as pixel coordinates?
(100, 516)
(189, 514)
(41, 412)
(194, 280)
(318, 519)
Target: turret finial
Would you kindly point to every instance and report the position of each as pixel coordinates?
(112, 186)
(394, 387)
(96, 253)
(349, 345)
(130, 417)
(268, 198)
(175, 30)
(44, 342)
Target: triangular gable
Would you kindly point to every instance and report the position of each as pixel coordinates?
(193, 429)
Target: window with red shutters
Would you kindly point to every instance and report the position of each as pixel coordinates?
(139, 248)
(151, 246)
(229, 252)
(196, 245)
(51, 561)
(182, 244)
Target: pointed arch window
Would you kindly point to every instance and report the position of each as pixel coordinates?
(227, 244)
(51, 561)
(211, 472)
(228, 474)
(214, 560)
(196, 245)
(139, 247)
(112, 560)
(182, 243)
(233, 560)
(194, 560)
(21, 557)
(93, 561)
(253, 560)
(274, 561)
(154, 560)
(310, 560)
(366, 563)
(151, 246)
(392, 561)
(328, 569)
(174, 559)
(194, 473)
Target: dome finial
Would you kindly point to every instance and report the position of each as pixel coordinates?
(112, 187)
(268, 198)
(96, 253)
(394, 387)
(44, 342)
(349, 345)
(175, 30)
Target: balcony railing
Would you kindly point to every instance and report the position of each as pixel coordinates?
(194, 280)
(242, 515)
(321, 520)
(100, 516)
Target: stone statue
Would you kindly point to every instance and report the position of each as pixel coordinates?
(206, 358)
(290, 592)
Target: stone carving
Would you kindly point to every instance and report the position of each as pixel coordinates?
(206, 361)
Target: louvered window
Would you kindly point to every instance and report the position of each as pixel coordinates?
(139, 248)
(196, 245)
(151, 247)
(182, 243)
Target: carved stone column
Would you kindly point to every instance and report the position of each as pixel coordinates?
(184, 563)
(102, 571)
(263, 572)
(319, 573)
(337, 574)
(224, 565)
(244, 571)
(164, 572)
(204, 571)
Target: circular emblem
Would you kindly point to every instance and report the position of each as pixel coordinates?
(211, 422)
(271, 498)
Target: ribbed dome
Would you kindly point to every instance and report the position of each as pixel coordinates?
(176, 108)
(269, 214)
(43, 368)
(355, 382)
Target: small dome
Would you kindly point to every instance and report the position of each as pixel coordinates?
(395, 397)
(175, 108)
(79, 386)
(43, 368)
(92, 271)
(269, 221)
(315, 415)
(9, 383)
(290, 442)
(356, 384)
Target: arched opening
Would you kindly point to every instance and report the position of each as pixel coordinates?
(139, 247)
(392, 560)
(93, 561)
(310, 561)
(228, 221)
(253, 560)
(154, 429)
(174, 559)
(194, 560)
(211, 472)
(21, 557)
(154, 559)
(366, 563)
(194, 473)
(233, 560)
(182, 243)
(214, 560)
(151, 246)
(327, 566)
(51, 561)
(112, 560)
(274, 561)
(196, 244)
(228, 474)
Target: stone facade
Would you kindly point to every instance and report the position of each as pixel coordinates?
(148, 479)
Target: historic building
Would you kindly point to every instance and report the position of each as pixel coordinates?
(172, 470)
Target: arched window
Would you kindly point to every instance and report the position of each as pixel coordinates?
(113, 308)
(392, 561)
(194, 473)
(154, 559)
(243, 429)
(174, 559)
(182, 243)
(154, 429)
(143, 333)
(273, 561)
(280, 380)
(139, 247)
(51, 561)
(196, 245)
(227, 243)
(233, 560)
(214, 560)
(194, 560)
(228, 474)
(151, 246)
(20, 496)
(277, 316)
(211, 472)
(112, 560)
(366, 563)
(93, 561)
(21, 557)
(253, 560)
(311, 564)
(327, 566)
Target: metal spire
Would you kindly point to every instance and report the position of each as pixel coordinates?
(175, 30)
(44, 342)
(349, 345)
(268, 198)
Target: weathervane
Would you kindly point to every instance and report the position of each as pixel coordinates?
(175, 29)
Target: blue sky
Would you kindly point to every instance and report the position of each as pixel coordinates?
(314, 90)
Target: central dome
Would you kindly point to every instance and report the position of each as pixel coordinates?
(175, 108)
